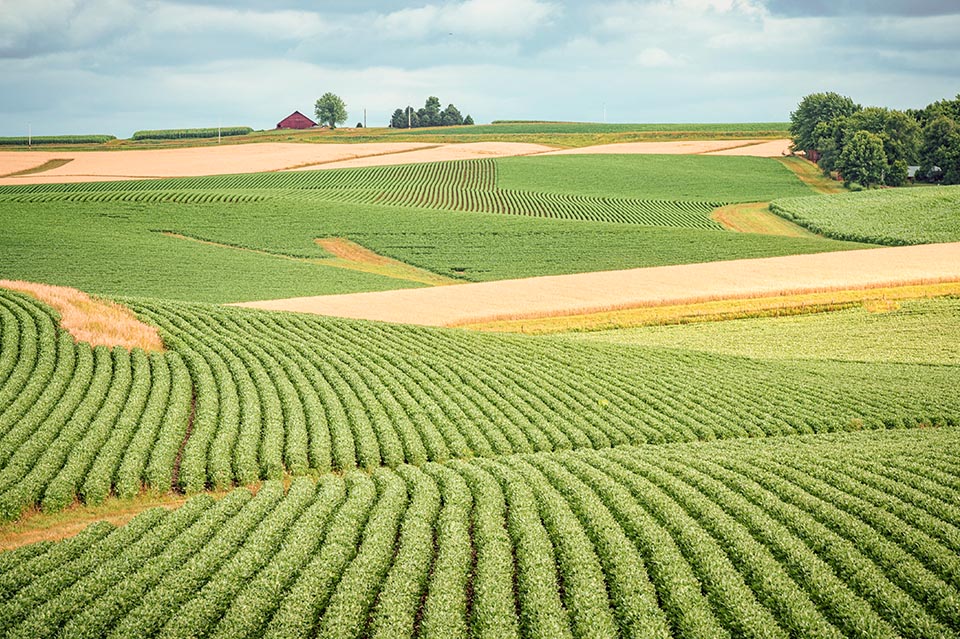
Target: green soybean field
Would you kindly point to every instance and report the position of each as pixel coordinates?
(850, 536)
(918, 215)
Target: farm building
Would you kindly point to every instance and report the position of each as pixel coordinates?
(296, 120)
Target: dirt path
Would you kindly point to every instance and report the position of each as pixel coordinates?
(594, 292)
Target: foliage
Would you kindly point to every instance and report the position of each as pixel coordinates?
(831, 536)
(863, 160)
(816, 109)
(429, 116)
(175, 134)
(941, 148)
(330, 110)
(909, 216)
(55, 139)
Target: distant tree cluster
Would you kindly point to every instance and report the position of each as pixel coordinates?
(429, 115)
(874, 145)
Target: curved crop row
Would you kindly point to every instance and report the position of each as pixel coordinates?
(293, 393)
(462, 185)
(80, 420)
(772, 541)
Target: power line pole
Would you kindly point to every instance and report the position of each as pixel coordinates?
(364, 117)
(29, 135)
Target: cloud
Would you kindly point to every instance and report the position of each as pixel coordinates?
(277, 25)
(654, 57)
(496, 19)
(41, 26)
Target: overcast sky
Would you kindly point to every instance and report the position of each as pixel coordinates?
(115, 66)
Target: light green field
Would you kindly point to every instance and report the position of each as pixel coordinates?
(912, 331)
(918, 215)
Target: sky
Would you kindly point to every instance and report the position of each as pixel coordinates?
(116, 66)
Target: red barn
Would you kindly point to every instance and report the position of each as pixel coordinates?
(296, 120)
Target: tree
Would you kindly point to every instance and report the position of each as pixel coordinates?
(941, 147)
(451, 116)
(430, 114)
(331, 110)
(814, 109)
(399, 119)
(863, 159)
(468, 120)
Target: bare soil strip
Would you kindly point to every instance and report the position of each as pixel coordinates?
(873, 299)
(769, 149)
(755, 217)
(561, 295)
(759, 148)
(443, 153)
(88, 319)
(346, 255)
(46, 166)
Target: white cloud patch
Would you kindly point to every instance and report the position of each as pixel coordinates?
(493, 19)
(655, 57)
(280, 25)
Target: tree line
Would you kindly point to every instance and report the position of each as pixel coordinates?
(429, 115)
(874, 145)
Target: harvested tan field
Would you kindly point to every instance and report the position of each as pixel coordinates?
(95, 321)
(11, 162)
(559, 295)
(102, 166)
(443, 152)
(184, 162)
(770, 149)
(759, 148)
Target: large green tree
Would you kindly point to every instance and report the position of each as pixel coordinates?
(331, 110)
(941, 148)
(813, 110)
(863, 160)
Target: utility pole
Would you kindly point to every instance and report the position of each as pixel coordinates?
(409, 112)
(364, 117)
(29, 135)
(218, 131)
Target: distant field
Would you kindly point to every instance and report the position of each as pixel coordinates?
(878, 331)
(918, 215)
(445, 218)
(566, 134)
(763, 129)
(673, 177)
